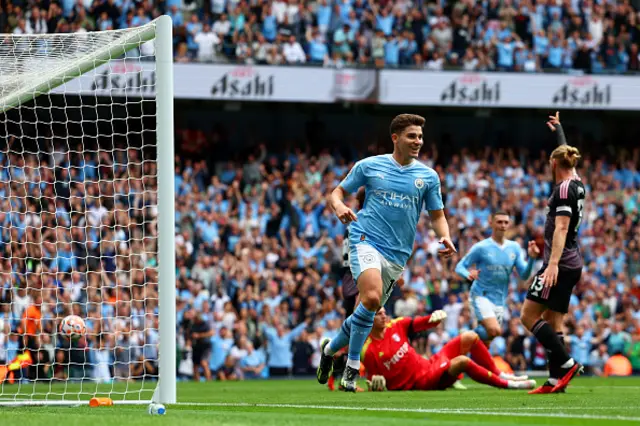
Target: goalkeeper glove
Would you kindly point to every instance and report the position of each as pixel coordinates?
(437, 316)
(377, 384)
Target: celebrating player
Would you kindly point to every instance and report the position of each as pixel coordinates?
(391, 361)
(494, 259)
(549, 294)
(382, 235)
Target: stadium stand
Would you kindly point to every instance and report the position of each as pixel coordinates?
(259, 261)
(584, 36)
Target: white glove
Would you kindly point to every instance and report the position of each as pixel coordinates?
(437, 316)
(377, 384)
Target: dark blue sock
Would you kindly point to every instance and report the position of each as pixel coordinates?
(361, 323)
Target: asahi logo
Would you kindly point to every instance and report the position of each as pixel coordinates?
(472, 89)
(244, 82)
(125, 79)
(583, 91)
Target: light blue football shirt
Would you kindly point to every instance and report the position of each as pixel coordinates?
(495, 263)
(394, 198)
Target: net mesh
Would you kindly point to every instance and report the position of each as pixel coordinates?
(78, 216)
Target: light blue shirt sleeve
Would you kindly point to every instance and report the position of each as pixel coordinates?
(523, 268)
(293, 334)
(270, 333)
(471, 258)
(355, 178)
(433, 198)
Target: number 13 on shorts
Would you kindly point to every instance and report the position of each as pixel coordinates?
(536, 286)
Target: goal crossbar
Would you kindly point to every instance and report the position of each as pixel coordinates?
(121, 41)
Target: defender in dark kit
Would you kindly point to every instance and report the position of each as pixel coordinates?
(567, 200)
(550, 292)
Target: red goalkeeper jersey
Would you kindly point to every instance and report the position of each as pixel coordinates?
(393, 356)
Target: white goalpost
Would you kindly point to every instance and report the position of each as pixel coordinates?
(87, 216)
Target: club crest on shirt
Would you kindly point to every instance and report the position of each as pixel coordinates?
(368, 258)
(395, 337)
(512, 256)
(419, 183)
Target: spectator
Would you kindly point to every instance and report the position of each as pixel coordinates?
(598, 359)
(36, 22)
(318, 52)
(377, 48)
(293, 52)
(182, 54)
(253, 364)
(279, 340)
(632, 351)
(200, 334)
(176, 15)
(221, 346)
(104, 23)
(228, 370)
(22, 28)
(618, 339)
(208, 43)
(222, 27)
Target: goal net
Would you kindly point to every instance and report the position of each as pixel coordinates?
(86, 186)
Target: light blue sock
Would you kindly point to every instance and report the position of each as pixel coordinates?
(342, 339)
(361, 323)
(482, 333)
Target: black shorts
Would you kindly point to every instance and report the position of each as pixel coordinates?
(200, 353)
(349, 286)
(349, 292)
(556, 298)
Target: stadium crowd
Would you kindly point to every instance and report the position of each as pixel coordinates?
(507, 35)
(260, 262)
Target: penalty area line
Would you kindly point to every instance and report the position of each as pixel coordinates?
(479, 412)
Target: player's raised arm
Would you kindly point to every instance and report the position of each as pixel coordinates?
(462, 268)
(555, 126)
(354, 180)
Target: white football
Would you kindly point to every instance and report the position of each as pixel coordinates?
(73, 327)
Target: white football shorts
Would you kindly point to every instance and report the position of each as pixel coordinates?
(363, 256)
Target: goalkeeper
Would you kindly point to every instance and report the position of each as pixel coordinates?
(392, 363)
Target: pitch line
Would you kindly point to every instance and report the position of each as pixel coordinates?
(510, 412)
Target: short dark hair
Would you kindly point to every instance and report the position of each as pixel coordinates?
(402, 121)
(500, 213)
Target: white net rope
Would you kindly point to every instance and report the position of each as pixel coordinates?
(78, 216)
(31, 65)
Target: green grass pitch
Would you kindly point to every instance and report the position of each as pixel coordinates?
(588, 401)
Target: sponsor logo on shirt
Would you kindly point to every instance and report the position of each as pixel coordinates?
(404, 349)
(394, 199)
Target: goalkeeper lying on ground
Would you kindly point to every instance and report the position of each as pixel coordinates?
(392, 363)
